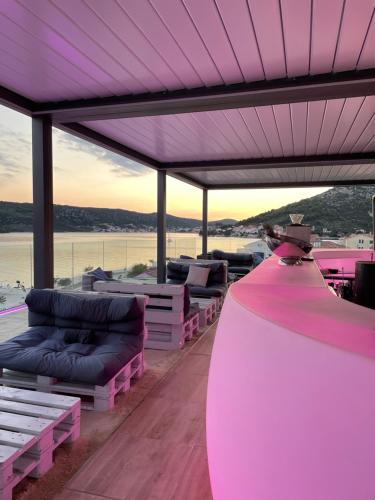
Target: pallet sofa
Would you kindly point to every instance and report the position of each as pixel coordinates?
(217, 284)
(171, 318)
(77, 343)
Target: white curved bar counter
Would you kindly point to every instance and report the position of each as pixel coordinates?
(291, 393)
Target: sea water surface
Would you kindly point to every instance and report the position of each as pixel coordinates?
(74, 252)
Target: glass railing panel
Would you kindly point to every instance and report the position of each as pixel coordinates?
(16, 272)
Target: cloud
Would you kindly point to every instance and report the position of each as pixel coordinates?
(15, 152)
(119, 165)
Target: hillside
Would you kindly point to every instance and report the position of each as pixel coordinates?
(342, 209)
(18, 217)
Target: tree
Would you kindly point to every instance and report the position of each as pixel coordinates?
(137, 269)
(64, 282)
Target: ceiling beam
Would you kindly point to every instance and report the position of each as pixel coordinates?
(16, 101)
(266, 163)
(301, 89)
(287, 185)
(101, 140)
(188, 180)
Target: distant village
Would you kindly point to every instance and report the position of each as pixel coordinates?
(359, 240)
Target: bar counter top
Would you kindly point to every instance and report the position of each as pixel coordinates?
(298, 298)
(291, 399)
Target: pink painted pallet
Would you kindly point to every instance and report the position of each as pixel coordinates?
(166, 336)
(165, 320)
(32, 426)
(102, 397)
(207, 311)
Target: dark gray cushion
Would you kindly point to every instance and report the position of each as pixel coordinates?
(86, 311)
(115, 325)
(239, 269)
(218, 290)
(42, 350)
(99, 274)
(233, 258)
(178, 271)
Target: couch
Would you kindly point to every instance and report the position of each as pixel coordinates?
(217, 284)
(79, 338)
(239, 264)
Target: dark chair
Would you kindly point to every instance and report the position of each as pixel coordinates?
(239, 264)
(217, 284)
(79, 338)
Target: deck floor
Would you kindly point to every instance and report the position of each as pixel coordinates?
(153, 447)
(159, 451)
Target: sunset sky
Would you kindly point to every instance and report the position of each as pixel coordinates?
(86, 175)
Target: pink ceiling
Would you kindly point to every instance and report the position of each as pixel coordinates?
(66, 49)
(313, 128)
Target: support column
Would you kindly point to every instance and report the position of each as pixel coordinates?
(42, 202)
(204, 223)
(161, 226)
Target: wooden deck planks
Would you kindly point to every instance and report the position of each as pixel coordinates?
(159, 452)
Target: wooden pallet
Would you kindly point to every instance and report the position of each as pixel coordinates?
(32, 426)
(207, 311)
(103, 396)
(167, 336)
(164, 315)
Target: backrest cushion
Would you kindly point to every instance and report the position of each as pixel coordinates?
(178, 271)
(99, 312)
(197, 275)
(233, 257)
(99, 274)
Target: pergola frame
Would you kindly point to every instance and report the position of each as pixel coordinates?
(65, 115)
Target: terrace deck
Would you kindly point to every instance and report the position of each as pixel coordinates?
(153, 444)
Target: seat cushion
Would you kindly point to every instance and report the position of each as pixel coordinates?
(207, 291)
(239, 269)
(42, 350)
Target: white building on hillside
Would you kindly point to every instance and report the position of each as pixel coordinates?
(359, 241)
(256, 245)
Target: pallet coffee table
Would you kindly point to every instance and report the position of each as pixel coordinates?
(207, 310)
(32, 425)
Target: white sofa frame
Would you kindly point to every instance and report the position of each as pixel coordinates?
(165, 321)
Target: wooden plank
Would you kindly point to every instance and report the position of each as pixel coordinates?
(40, 398)
(160, 327)
(23, 424)
(167, 317)
(16, 439)
(144, 288)
(7, 452)
(158, 302)
(30, 410)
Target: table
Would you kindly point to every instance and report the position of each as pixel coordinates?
(32, 425)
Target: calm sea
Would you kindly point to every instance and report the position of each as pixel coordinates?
(117, 251)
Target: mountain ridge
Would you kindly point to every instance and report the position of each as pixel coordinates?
(18, 217)
(341, 210)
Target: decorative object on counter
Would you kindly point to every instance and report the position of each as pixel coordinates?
(298, 230)
(289, 249)
(296, 218)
